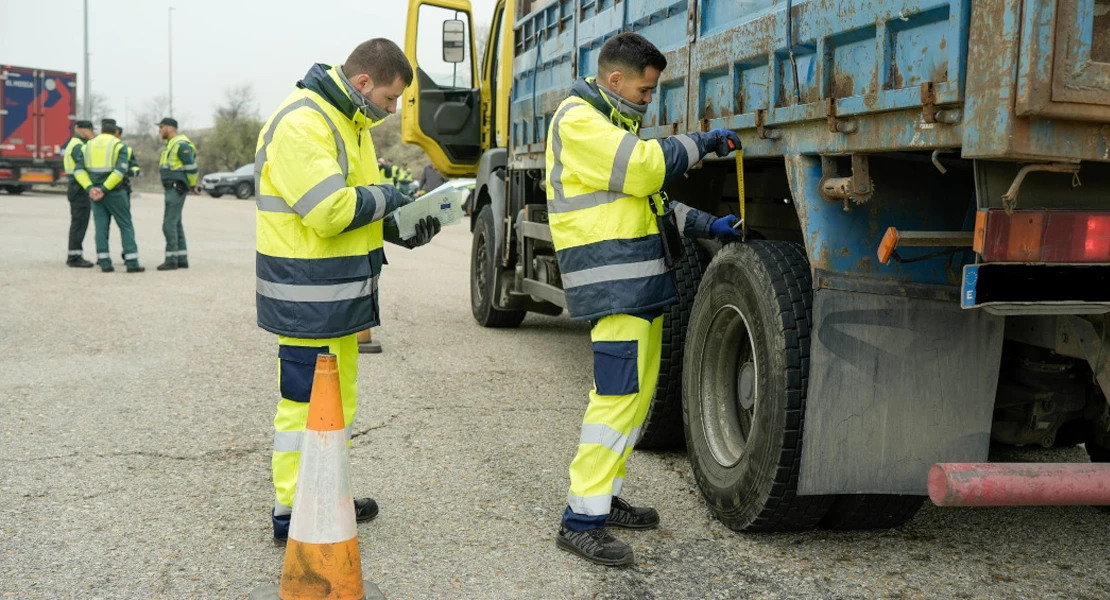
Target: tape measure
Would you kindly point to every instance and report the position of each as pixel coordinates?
(740, 190)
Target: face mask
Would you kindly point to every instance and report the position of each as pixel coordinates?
(629, 110)
(369, 109)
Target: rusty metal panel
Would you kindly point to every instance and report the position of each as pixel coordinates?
(867, 58)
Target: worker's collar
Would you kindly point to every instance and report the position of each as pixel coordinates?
(620, 111)
(329, 83)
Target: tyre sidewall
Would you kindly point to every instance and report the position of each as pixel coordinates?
(738, 277)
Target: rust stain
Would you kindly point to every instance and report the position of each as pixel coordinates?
(864, 265)
(824, 259)
(844, 252)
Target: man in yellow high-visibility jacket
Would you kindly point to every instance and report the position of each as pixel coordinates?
(605, 209)
(105, 160)
(320, 216)
(78, 199)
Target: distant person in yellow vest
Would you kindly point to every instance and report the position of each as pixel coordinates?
(179, 175)
(78, 199)
(105, 160)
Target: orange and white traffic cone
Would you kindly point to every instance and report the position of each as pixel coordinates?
(321, 557)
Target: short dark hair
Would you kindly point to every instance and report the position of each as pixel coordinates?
(629, 52)
(381, 59)
(106, 127)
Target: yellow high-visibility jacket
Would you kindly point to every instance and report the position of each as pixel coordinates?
(319, 213)
(603, 195)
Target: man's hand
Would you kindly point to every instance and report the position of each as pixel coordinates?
(724, 142)
(196, 189)
(426, 229)
(96, 193)
(724, 228)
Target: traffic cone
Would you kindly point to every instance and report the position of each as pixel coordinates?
(321, 557)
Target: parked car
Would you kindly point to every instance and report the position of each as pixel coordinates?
(240, 183)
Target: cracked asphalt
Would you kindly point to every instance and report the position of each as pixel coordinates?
(136, 432)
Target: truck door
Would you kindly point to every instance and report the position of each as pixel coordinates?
(441, 111)
(18, 122)
(1065, 63)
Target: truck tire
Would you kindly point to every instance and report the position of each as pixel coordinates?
(745, 378)
(215, 194)
(16, 190)
(662, 429)
(871, 511)
(483, 277)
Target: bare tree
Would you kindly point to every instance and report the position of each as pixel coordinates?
(481, 38)
(101, 108)
(239, 103)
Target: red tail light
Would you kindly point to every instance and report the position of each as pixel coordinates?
(1043, 236)
(5, 173)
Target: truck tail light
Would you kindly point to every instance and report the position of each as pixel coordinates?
(1043, 236)
(5, 173)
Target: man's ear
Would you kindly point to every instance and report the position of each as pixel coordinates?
(615, 79)
(361, 80)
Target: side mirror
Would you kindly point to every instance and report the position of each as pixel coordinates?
(454, 41)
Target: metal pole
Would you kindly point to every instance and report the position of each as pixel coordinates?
(87, 112)
(171, 59)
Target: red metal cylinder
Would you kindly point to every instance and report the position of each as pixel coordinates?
(1019, 484)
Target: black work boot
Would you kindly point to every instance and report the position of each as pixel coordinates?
(79, 263)
(167, 266)
(365, 509)
(596, 546)
(623, 515)
(136, 269)
(107, 269)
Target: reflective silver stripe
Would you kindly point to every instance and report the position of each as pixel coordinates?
(563, 205)
(75, 253)
(132, 256)
(100, 170)
(316, 194)
(273, 204)
(103, 255)
(617, 272)
(590, 505)
(121, 173)
(281, 510)
(680, 212)
(692, 153)
(621, 160)
(190, 168)
(618, 483)
(557, 151)
(316, 293)
(260, 156)
(78, 172)
(633, 438)
(287, 441)
(379, 203)
(594, 433)
(348, 430)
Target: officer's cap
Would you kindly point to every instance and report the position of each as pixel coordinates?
(172, 122)
(83, 124)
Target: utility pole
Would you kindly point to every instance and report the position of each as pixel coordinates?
(171, 58)
(87, 108)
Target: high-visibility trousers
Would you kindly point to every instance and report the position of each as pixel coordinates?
(626, 351)
(296, 370)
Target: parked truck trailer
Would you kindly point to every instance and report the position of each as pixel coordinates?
(37, 110)
(927, 199)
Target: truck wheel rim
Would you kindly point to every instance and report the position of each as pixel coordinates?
(480, 270)
(730, 386)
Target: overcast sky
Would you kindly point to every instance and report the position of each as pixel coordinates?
(216, 44)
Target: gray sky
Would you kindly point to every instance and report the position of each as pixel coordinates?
(216, 44)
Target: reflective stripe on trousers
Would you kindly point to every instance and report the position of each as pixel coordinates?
(626, 369)
(292, 413)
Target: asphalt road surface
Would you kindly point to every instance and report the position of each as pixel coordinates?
(137, 426)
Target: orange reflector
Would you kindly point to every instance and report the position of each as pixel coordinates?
(887, 246)
(980, 231)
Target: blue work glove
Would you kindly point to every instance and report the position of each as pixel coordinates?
(724, 142)
(724, 227)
